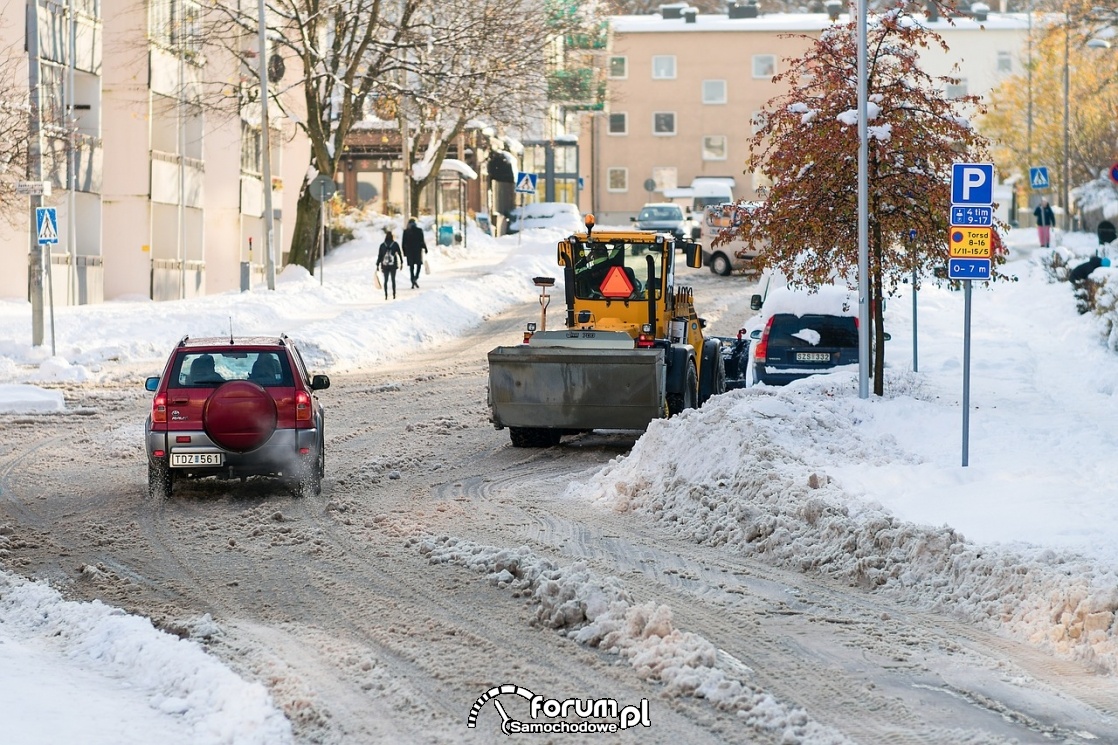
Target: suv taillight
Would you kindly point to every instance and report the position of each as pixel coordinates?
(159, 409)
(761, 351)
(302, 406)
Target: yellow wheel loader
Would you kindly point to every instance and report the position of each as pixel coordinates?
(632, 348)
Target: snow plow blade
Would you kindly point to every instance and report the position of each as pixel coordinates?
(575, 389)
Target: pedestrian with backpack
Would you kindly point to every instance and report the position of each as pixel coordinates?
(389, 258)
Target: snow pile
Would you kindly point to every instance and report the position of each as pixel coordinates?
(177, 676)
(598, 612)
(25, 399)
(756, 481)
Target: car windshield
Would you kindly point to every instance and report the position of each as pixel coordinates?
(208, 368)
(813, 330)
(661, 213)
(617, 270)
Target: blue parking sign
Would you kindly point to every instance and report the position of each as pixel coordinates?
(972, 183)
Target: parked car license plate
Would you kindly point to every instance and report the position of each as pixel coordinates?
(813, 357)
(185, 460)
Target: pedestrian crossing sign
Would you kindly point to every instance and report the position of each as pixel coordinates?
(1038, 177)
(46, 221)
(525, 183)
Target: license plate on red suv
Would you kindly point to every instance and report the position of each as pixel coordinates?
(186, 460)
(813, 357)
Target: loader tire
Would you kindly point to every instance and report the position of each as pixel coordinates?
(689, 397)
(534, 437)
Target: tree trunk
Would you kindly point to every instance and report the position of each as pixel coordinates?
(415, 189)
(304, 237)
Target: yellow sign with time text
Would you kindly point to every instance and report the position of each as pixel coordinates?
(969, 243)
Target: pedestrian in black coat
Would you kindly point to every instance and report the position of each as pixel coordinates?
(1045, 220)
(414, 248)
(389, 259)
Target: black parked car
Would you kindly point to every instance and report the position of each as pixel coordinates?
(801, 333)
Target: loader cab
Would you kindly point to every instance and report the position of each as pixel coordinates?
(617, 270)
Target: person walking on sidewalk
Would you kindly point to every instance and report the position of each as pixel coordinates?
(389, 259)
(1045, 220)
(414, 248)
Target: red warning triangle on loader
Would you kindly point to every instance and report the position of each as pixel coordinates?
(616, 284)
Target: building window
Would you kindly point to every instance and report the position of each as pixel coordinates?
(619, 124)
(617, 179)
(714, 91)
(663, 67)
(52, 109)
(251, 149)
(714, 147)
(1005, 62)
(174, 24)
(957, 90)
(764, 65)
(663, 123)
(618, 68)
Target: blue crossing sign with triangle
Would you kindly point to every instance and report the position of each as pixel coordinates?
(1038, 177)
(525, 183)
(46, 221)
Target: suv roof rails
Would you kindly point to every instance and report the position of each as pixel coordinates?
(182, 341)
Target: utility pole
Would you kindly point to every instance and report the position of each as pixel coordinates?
(72, 181)
(265, 139)
(182, 153)
(34, 173)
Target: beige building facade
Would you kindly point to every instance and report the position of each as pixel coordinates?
(166, 195)
(685, 91)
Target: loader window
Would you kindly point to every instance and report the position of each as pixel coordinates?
(594, 260)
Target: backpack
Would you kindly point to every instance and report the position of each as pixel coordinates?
(389, 260)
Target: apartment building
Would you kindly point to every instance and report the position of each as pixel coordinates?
(685, 89)
(163, 195)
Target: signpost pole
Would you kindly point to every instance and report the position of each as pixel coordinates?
(912, 245)
(34, 172)
(50, 295)
(966, 371)
(969, 252)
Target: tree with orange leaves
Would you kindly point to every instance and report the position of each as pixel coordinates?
(806, 145)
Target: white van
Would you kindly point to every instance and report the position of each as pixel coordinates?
(703, 192)
(735, 256)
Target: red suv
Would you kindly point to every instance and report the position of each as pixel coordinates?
(235, 407)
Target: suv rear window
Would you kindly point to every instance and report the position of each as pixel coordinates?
(661, 213)
(788, 330)
(206, 368)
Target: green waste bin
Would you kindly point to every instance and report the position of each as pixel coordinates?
(446, 235)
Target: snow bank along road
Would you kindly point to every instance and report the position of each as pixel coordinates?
(440, 564)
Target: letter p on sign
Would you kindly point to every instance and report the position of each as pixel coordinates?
(972, 183)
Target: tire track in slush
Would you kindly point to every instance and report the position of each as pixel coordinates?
(568, 666)
(710, 592)
(349, 703)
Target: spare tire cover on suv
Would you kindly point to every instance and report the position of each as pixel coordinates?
(239, 416)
